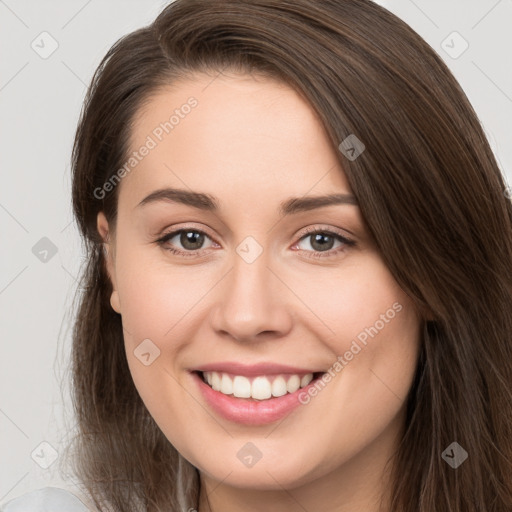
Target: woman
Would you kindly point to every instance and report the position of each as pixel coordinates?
(298, 288)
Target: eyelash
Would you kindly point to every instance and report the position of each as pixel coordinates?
(308, 232)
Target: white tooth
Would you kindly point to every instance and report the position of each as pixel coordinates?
(261, 388)
(279, 386)
(241, 387)
(215, 381)
(226, 385)
(293, 383)
(306, 379)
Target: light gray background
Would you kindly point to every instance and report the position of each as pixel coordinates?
(40, 100)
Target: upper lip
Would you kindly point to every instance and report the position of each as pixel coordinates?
(236, 368)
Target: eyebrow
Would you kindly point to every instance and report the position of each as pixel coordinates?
(208, 202)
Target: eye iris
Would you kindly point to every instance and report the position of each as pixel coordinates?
(191, 237)
(318, 237)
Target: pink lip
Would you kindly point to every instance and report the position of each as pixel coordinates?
(248, 411)
(235, 368)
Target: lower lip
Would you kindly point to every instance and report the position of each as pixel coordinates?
(248, 411)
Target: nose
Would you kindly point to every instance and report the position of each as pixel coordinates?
(253, 303)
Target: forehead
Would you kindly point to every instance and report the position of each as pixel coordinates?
(248, 138)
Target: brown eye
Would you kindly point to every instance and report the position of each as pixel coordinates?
(320, 243)
(190, 240)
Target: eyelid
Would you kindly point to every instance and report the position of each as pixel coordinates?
(175, 229)
(325, 229)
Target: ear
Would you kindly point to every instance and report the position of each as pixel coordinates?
(108, 253)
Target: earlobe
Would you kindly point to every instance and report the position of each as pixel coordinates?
(114, 302)
(103, 230)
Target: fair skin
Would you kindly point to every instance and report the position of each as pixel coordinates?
(254, 143)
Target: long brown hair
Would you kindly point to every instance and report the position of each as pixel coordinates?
(430, 192)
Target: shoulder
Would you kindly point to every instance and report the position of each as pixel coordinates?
(47, 499)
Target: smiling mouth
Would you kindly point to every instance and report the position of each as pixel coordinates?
(261, 387)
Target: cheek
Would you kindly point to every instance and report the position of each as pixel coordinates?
(356, 301)
(153, 294)
(155, 300)
(160, 303)
(372, 328)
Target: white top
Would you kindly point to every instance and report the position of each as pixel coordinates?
(47, 499)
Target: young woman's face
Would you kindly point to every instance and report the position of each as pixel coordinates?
(262, 290)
